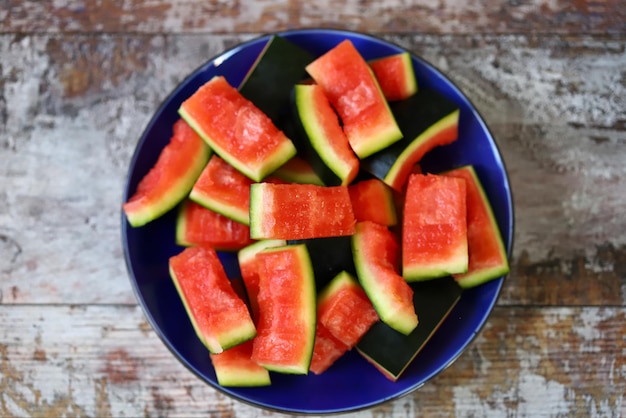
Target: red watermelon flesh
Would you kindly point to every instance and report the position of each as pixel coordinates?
(372, 200)
(345, 310)
(172, 177)
(395, 76)
(199, 277)
(197, 225)
(299, 211)
(487, 255)
(236, 129)
(434, 231)
(224, 190)
(286, 324)
(326, 351)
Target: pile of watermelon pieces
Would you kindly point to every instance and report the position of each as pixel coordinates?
(309, 171)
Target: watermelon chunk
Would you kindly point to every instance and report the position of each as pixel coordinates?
(224, 190)
(434, 230)
(344, 309)
(324, 141)
(286, 325)
(197, 225)
(235, 367)
(326, 350)
(297, 170)
(372, 200)
(172, 177)
(487, 255)
(236, 129)
(355, 94)
(299, 211)
(376, 256)
(395, 76)
(199, 276)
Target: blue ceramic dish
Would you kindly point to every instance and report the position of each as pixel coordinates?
(352, 383)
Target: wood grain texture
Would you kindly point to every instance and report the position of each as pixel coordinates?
(77, 361)
(74, 108)
(390, 16)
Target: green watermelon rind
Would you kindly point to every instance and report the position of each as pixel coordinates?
(238, 377)
(280, 156)
(475, 278)
(232, 212)
(384, 306)
(409, 82)
(292, 173)
(308, 311)
(230, 338)
(328, 165)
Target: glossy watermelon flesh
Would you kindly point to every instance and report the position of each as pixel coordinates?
(199, 276)
(353, 91)
(344, 309)
(236, 129)
(372, 200)
(170, 179)
(434, 230)
(326, 350)
(224, 190)
(234, 367)
(376, 257)
(487, 254)
(325, 143)
(197, 225)
(395, 76)
(287, 310)
(249, 268)
(299, 211)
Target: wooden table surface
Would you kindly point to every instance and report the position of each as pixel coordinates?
(79, 81)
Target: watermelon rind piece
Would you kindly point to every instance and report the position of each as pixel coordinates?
(141, 210)
(482, 232)
(392, 352)
(374, 250)
(298, 170)
(395, 75)
(323, 140)
(258, 169)
(434, 230)
(277, 282)
(427, 120)
(205, 259)
(235, 368)
(373, 200)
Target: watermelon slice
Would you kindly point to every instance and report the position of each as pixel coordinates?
(171, 178)
(299, 211)
(372, 200)
(324, 141)
(236, 129)
(224, 190)
(355, 94)
(434, 230)
(286, 325)
(234, 367)
(344, 309)
(199, 276)
(395, 76)
(427, 120)
(297, 170)
(487, 255)
(376, 256)
(197, 225)
(249, 268)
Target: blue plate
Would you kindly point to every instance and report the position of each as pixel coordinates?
(351, 383)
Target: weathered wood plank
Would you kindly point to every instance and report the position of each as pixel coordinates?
(73, 108)
(448, 16)
(77, 361)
